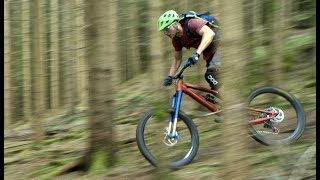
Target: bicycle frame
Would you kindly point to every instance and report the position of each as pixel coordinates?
(183, 87)
(186, 88)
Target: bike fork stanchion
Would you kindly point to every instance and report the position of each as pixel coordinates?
(173, 102)
(176, 113)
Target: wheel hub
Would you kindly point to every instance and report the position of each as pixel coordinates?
(169, 139)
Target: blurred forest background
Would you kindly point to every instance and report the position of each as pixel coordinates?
(56, 64)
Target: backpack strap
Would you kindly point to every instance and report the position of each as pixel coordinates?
(191, 35)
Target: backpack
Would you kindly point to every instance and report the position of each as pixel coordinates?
(184, 18)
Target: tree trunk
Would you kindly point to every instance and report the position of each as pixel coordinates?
(16, 62)
(100, 84)
(257, 25)
(26, 60)
(82, 70)
(124, 53)
(7, 67)
(234, 134)
(63, 55)
(70, 55)
(277, 38)
(73, 53)
(54, 54)
(39, 71)
(46, 52)
(288, 15)
(161, 70)
(143, 35)
(101, 150)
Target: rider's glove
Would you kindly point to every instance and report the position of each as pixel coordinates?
(167, 81)
(192, 59)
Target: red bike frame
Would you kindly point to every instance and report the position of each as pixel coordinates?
(186, 88)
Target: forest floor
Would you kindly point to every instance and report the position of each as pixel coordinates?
(67, 138)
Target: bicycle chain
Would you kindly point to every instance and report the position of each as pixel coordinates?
(267, 132)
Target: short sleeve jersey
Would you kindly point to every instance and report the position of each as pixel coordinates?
(194, 26)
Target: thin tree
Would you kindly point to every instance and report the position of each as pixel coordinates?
(70, 59)
(16, 61)
(234, 134)
(277, 37)
(26, 58)
(64, 90)
(73, 52)
(288, 13)
(143, 33)
(7, 67)
(61, 58)
(257, 25)
(124, 53)
(82, 70)
(54, 54)
(39, 71)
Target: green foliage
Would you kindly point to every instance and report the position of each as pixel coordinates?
(68, 136)
(44, 173)
(268, 7)
(311, 83)
(257, 64)
(260, 54)
(98, 163)
(304, 14)
(293, 49)
(160, 110)
(51, 169)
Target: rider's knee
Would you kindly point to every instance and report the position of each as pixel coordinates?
(212, 77)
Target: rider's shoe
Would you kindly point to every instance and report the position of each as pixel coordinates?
(211, 99)
(218, 119)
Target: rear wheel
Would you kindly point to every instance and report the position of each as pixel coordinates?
(155, 146)
(286, 127)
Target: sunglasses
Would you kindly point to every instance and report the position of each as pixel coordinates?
(165, 30)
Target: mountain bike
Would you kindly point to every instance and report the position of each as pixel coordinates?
(274, 117)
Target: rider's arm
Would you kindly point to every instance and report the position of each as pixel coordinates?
(207, 37)
(176, 63)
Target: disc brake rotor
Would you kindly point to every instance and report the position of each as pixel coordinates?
(170, 141)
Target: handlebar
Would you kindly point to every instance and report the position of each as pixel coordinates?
(179, 75)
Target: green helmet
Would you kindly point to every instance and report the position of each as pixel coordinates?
(167, 19)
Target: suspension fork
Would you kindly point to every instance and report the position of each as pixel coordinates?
(175, 104)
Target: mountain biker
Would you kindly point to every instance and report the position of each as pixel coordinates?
(206, 44)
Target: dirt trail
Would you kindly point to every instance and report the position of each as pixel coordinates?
(21, 161)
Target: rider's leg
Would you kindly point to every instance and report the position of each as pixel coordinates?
(212, 76)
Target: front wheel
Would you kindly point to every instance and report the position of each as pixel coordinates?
(286, 126)
(155, 145)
